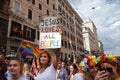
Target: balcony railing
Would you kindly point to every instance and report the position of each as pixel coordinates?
(16, 13)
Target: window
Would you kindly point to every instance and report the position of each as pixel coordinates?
(17, 6)
(59, 1)
(0, 33)
(65, 44)
(48, 12)
(28, 33)
(33, 34)
(13, 49)
(62, 43)
(47, 1)
(65, 33)
(1, 4)
(63, 4)
(30, 14)
(61, 56)
(32, 1)
(59, 8)
(53, 6)
(38, 34)
(16, 29)
(40, 6)
(39, 19)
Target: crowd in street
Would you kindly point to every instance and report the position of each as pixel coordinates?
(92, 67)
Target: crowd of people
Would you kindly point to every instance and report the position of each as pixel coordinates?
(92, 67)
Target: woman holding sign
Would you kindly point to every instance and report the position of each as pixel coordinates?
(47, 66)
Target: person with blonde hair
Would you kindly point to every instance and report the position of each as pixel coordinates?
(47, 67)
(15, 67)
(27, 73)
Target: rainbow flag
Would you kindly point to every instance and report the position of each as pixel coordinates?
(38, 51)
(22, 47)
(33, 67)
(28, 49)
(34, 50)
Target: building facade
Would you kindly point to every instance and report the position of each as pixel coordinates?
(100, 47)
(72, 39)
(23, 23)
(4, 17)
(90, 36)
(24, 19)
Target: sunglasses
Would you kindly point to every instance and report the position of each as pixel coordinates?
(107, 69)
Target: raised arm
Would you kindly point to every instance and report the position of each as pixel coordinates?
(58, 52)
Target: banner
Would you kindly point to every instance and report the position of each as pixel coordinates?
(50, 24)
(50, 40)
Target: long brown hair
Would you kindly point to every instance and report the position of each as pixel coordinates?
(49, 57)
(2, 65)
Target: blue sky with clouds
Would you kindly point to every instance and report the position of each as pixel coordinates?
(106, 16)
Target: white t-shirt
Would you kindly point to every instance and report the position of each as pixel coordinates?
(48, 74)
(78, 76)
(57, 74)
(22, 78)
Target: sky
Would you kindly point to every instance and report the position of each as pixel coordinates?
(106, 16)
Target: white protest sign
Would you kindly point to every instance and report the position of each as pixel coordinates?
(50, 24)
(50, 40)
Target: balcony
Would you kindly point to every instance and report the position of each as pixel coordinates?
(19, 35)
(16, 14)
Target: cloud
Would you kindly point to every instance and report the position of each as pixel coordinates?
(106, 16)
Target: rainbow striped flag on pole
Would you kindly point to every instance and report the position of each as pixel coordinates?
(27, 48)
(33, 67)
(22, 47)
(34, 50)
